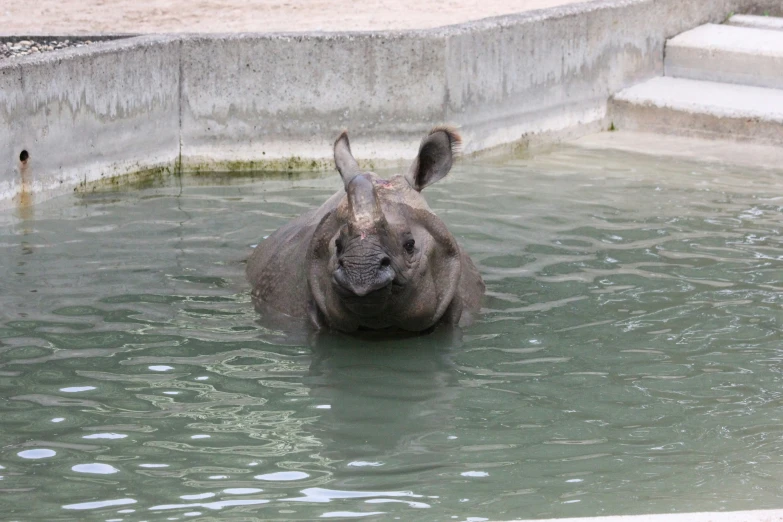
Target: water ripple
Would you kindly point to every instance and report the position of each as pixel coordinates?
(640, 297)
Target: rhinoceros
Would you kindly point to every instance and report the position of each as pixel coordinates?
(373, 256)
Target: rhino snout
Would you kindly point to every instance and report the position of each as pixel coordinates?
(360, 282)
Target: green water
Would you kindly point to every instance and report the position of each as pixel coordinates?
(627, 359)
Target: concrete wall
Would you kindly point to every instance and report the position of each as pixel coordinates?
(277, 101)
(83, 114)
(251, 97)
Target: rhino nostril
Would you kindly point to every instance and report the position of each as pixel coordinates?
(340, 263)
(385, 262)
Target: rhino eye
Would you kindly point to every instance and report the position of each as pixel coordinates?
(338, 245)
(408, 246)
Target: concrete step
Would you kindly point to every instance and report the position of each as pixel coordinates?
(772, 23)
(728, 54)
(701, 109)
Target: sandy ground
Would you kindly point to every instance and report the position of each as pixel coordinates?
(55, 17)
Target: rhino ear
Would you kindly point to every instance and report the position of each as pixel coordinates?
(436, 154)
(343, 159)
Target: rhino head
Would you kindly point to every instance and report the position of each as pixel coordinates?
(382, 258)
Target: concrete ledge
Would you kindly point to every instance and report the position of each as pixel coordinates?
(724, 53)
(701, 109)
(254, 101)
(771, 23)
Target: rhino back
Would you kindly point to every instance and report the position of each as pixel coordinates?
(277, 268)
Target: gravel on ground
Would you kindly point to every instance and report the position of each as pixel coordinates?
(12, 49)
(83, 19)
(90, 17)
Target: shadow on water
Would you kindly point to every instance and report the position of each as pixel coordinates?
(382, 400)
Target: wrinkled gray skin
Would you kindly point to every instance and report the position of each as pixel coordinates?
(373, 256)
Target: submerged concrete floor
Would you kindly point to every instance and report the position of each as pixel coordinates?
(73, 17)
(715, 151)
(772, 515)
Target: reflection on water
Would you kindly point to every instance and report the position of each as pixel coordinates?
(627, 356)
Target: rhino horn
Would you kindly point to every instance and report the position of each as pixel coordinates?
(344, 160)
(365, 207)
